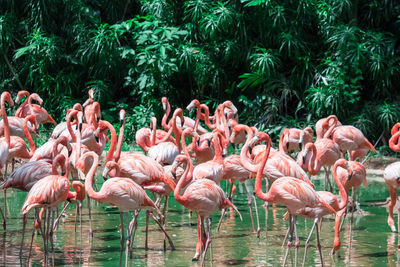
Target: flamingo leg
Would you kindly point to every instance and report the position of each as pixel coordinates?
(164, 219)
(202, 230)
(308, 240)
(132, 227)
(42, 224)
(258, 219)
(208, 242)
(220, 219)
(146, 245)
(33, 234)
(90, 219)
(266, 204)
(393, 199)
(198, 245)
(4, 220)
(163, 230)
(55, 224)
(319, 248)
(51, 229)
(121, 229)
(25, 219)
(297, 244)
(352, 216)
(250, 204)
(289, 244)
(327, 180)
(5, 210)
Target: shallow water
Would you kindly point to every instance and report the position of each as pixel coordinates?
(371, 244)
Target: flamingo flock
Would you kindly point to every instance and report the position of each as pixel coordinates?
(192, 173)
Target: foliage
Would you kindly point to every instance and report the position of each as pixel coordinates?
(282, 63)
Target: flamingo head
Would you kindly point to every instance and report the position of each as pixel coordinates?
(194, 103)
(37, 98)
(79, 188)
(121, 116)
(6, 96)
(164, 102)
(20, 95)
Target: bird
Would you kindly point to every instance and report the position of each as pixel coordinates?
(41, 114)
(394, 143)
(48, 193)
(28, 100)
(62, 126)
(295, 194)
(52, 148)
(391, 175)
(203, 196)
(120, 192)
(320, 127)
(188, 122)
(294, 139)
(348, 137)
(323, 153)
(91, 110)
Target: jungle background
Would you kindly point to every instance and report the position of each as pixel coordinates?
(283, 63)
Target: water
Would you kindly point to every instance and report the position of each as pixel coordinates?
(372, 242)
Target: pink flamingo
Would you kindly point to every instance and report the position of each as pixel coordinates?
(320, 127)
(297, 195)
(62, 126)
(203, 196)
(92, 110)
(394, 143)
(295, 138)
(41, 114)
(392, 179)
(120, 192)
(348, 138)
(213, 169)
(324, 152)
(188, 122)
(48, 193)
(28, 101)
(52, 148)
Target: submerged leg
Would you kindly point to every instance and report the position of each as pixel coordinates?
(208, 242)
(163, 230)
(308, 240)
(25, 219)
(393, 199)
(250, 205)
(146, 240)
(319, 248)
(121, 229)
(289, 244)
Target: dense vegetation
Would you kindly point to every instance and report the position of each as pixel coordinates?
(283, 63)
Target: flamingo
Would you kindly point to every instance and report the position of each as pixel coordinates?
(394, 143)
(61, 127)
(48, 193)
(320, 127)
(297, 195)
(188, 122)
(52, 148)
(324, 152)
(121, 192)
(203, 196)
(41, 114)
(213, 169)
(348, 137)
(294, 138)
(164, 152)
(92, 110)
(392, 179)
(28, 100)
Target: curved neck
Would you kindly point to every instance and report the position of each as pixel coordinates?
(197, 121)
(69, 127)
(117, 154)
(218, 149)
(314, 165)
(332, 127)
(28, 135)
(342, 191)
(184, 146)
(185, 179)
(166, 137)
(177, 133)
(5, 119)
(247, 163)
(153, 131)
(58, 161)
(90, 178)
(61, 140)
(207, 117)
(281, 145)
(260, 170)
(113, 144)
(394, 142)
(165, 117)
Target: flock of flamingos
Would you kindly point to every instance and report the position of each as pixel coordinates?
(192, 172)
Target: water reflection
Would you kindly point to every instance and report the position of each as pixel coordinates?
(371, 242)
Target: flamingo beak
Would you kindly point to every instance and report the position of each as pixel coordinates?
(250, 149)
(234, 109)
(105, 173)
(164, 106)
(81, 174)
(304, 155)
(190, 106)
(17, 99)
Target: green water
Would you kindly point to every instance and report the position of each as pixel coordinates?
(372, 243)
